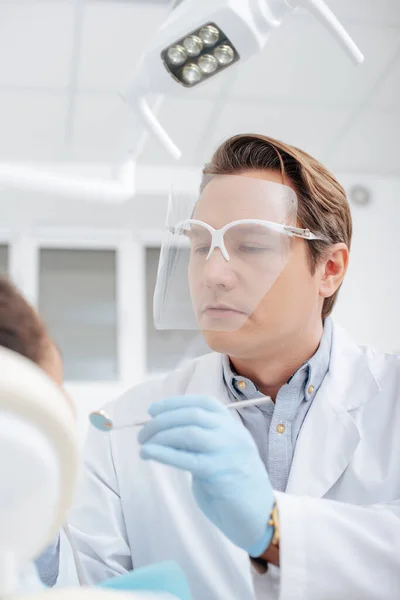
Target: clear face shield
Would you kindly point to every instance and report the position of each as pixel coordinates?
(223, 252)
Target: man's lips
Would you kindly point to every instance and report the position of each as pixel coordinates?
(223, 310)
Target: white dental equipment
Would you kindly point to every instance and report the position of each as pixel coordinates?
(38, 465)
(201, 39)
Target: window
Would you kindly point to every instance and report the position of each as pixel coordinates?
(3, 259)
(77, 299)
(165, 349)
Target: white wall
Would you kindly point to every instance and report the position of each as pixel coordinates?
(370, 299)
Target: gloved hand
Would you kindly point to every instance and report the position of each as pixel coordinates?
(230, 483)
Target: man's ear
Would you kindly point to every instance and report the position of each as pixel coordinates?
(332, 269)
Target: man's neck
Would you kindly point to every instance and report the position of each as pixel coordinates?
(274, 366)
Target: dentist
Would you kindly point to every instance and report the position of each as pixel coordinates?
(298, 498)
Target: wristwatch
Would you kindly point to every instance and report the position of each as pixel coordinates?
(274, 522)
(260, 564)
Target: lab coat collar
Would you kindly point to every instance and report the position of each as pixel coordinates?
(350, 372)
(348, 368)
(207, 378)
(329, 436)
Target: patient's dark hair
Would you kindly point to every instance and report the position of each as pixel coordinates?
(21, 328)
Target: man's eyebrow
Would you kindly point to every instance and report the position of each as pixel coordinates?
(251, 229)
(195, 229)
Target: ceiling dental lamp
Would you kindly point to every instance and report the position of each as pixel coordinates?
(199, 40)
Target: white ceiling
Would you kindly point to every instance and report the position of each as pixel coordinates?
(63, 63)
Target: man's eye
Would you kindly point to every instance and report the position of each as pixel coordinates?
(202, 249)
(251, 249)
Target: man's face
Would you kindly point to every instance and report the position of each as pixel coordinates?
(264, 291)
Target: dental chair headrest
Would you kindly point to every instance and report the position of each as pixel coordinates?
(38, 458)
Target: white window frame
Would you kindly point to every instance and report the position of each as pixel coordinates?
(14, 241)
(150, 238)
(25, 254)
(6, 237)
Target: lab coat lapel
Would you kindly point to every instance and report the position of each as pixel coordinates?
(329, 436)
(207, 378)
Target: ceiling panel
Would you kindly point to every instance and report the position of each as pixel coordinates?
(301, 64)
(31, 125)
(371, 145)
(101, 128)
(113, 37)
(312, 129)
(36, 44)
(367, 11)
(185, 122)
(387, 94)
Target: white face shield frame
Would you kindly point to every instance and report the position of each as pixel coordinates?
(217, 235)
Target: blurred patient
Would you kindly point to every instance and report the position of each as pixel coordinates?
(22, 330)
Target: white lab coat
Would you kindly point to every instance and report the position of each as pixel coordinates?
(340, 516)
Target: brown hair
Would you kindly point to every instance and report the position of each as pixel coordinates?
(21, 328)
(322, 204)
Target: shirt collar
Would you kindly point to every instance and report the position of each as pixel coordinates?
(241, 388)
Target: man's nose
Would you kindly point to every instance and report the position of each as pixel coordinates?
(218, 272)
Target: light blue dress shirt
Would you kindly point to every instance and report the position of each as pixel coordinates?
(275, 427)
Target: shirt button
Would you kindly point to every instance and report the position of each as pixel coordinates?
(311, 388)
(242, 385)
(280, 428)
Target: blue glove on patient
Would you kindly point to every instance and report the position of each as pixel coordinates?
(165, 577)
(230, 483)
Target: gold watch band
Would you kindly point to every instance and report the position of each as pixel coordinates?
(274, 522)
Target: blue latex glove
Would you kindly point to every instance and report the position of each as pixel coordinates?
(230, 483)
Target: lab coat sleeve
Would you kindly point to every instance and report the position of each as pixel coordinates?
(333, 550)
(96, 521)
